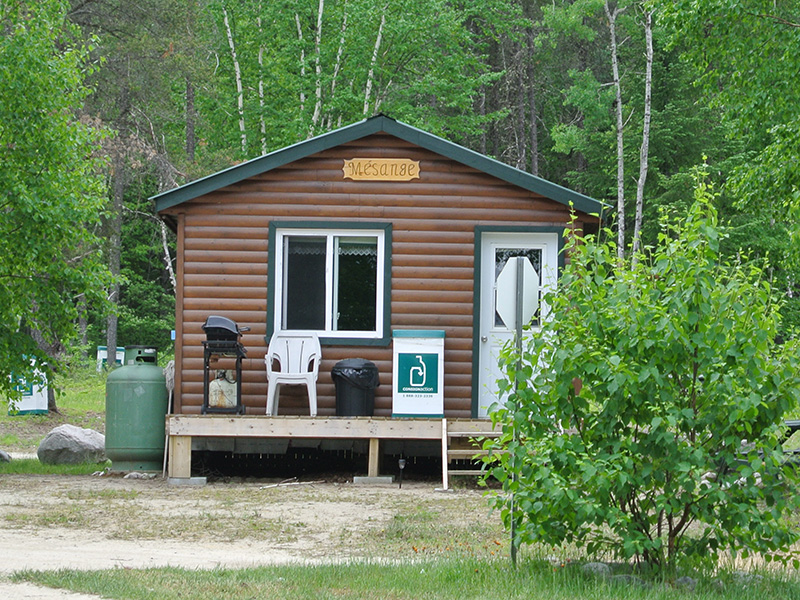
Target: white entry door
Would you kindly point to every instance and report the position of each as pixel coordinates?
(541, 251)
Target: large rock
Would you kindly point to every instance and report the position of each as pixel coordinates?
(686, 583)
(597, 568)
(70, 445)
(5, 456)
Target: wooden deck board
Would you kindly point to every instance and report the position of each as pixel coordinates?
(303, 427)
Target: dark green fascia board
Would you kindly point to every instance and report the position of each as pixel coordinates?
(488, 165)
(387, 270)
(267, 162)
(476, 298)
(378, 124)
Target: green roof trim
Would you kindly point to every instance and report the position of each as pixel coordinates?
(418, 333)
(378, 124)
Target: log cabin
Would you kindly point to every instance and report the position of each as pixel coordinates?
(362, 235)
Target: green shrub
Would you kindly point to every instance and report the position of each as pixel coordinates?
(644, 419)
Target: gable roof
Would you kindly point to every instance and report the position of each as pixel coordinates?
(377, 124)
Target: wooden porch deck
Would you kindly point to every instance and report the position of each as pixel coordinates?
(453, 434)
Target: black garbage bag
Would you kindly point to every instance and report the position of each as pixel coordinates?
(359, 372)
(356, 380)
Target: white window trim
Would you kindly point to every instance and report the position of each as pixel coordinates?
(329, 235)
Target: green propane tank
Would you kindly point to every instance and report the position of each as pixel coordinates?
(136, 406)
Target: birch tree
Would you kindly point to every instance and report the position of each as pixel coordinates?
(611, 15)
(238, 77)
(374, 61)
(302, 61)
(387, 57)
(338, 64)
(630, 54)
(644, 152)
(317, 69)
(261, 103)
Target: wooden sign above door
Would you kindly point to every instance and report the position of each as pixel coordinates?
(381, 169)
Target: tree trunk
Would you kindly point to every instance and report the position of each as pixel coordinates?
(521, 138)
(114, 253)
(191, 136)
(644, 152)
(51, 399)
(482, 113)
(533, 108)
(191, 111)
(238, 75)
(167, 257)
(612, 26)
(83, 325)
(338, 65)
(262, 121)
(302, 63)
(581, 164)
(373, 62)
(317, 70)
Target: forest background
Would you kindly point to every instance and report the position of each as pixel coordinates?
(618, 100)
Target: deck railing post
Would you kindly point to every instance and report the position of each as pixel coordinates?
(445, 444)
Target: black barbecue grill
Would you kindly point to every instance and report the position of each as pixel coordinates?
(222, 329)
(222, 339)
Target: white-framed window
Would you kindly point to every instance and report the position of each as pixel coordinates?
(331, 281)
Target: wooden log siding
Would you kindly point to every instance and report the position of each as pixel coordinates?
(223, 253)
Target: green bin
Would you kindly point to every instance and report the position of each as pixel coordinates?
(136, 407)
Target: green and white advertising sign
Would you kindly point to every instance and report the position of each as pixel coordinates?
(34, 397)
(418, 373)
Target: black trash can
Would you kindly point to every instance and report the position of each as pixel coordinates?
(355, 380)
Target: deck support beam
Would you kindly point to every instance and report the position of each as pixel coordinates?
(374, 457)
(180, 456)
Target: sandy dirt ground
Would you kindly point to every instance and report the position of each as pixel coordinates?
(53, 522)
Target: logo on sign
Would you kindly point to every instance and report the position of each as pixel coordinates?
(418, 373)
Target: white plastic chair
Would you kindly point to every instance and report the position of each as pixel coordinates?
(292, 359)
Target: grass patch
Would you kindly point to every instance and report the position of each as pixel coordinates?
(71, 516)
(83, 391)
(81, 400)
(32, 466)
(10, 439)
(428, 531)
(102, 495)
(440, 579)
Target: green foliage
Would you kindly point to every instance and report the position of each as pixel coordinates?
(147, 300)
(747, 56)
(52, 197)
(644, 419)
(682, 131)
(426, 71)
